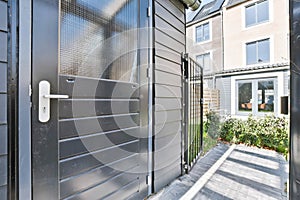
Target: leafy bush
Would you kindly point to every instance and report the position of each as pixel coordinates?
(269, 132)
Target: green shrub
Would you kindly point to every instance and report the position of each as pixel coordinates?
(268, 132)
(212, 125)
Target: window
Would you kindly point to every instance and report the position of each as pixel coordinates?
(256, 96)
(258, 52)
(202, 32)
(204, 61)
(257, 13)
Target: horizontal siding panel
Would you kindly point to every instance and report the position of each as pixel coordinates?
(3, 170)
(167, 78)
(167, 104)
(168, 5)
(166, 91)
(77, 165)
(3, 49)
(86, 126)
(100, 191)
(175, 166)
(169, 29)
(3, 108)
(224, 85)
(96, 176)
(179, 5)
(95, 142)
(97, 88)
(168, 41)
(166, 53)
(125, 192)
(169, 140)
(3, 77)
(162, 130)
(167, 66)
(3, 192)
(168, 177)
(3, 140)
(3, 16)
(165, 156)
(163, 13)
(163, 117)
(89, 108)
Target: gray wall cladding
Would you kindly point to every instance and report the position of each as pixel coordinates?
(169, 38)
(224, 85)
(3, 100)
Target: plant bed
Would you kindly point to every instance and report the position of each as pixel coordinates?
(269, 132)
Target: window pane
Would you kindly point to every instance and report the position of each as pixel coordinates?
(264, 51)
(199, 33)
(200, 60)
(245, 97)
(206, 31)
(250, 15)
(251, 53)
(206, 62)
(265, 98)
(263, 11)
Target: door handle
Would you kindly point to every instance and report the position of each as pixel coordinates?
(44, 100)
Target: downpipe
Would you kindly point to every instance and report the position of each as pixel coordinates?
(192, 4)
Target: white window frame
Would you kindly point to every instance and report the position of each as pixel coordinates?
(210, 61)
(256, 23)
(270, 51)
(278, 90)
(209, 31)
(254, 85)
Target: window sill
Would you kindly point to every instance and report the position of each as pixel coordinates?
(257, 25)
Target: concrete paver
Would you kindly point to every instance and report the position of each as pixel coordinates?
(248, 173)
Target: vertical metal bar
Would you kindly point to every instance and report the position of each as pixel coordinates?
(24, 100)
(201, 109)
(150, 101)
(187, 104)
(194, 117)
(12, 100)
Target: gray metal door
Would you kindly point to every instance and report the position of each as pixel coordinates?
(93, 144)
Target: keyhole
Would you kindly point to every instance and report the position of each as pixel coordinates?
(44, 109)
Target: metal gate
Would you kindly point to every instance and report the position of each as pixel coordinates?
(193, 110)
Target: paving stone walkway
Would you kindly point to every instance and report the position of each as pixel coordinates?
(247, 173)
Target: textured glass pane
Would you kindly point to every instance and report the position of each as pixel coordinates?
(245, 97)
(98, 39)
(206, 31)
(250, 15)
(251, 53)
(265, 98)
(263, 11)
(264, 51)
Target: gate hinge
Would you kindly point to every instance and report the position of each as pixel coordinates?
(149, 11)
(29, 90)
(148, 180)
(148, 73)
